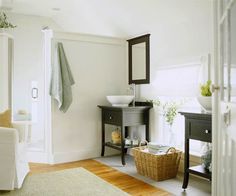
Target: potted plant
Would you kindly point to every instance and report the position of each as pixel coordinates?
(205, 98)
(4, 23)
(169, 112)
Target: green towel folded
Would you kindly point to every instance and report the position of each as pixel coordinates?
(61, 80)
(157, 147)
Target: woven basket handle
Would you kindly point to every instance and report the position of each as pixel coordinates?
(143, 142)
(171, 148)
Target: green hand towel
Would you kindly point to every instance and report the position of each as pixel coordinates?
(61, 80)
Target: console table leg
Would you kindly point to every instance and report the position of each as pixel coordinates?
(122, 145)
(126, 135)
(123, 158)
(103, 139)
(185, 182)
(186, 162)
(147, 125)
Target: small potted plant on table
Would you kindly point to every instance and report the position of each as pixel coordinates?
(205, 99)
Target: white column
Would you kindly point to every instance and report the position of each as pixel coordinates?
(6, 60)
(48, 35)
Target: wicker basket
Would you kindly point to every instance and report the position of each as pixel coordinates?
(157, 167)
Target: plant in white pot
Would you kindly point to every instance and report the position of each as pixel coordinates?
(4, 23)
(169, 112)
(205, 99)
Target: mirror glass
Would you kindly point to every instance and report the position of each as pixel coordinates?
(139, 61)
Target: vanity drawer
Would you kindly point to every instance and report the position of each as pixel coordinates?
(200, 130)
(112, 117)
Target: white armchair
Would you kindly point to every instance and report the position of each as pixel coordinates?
(13, 157)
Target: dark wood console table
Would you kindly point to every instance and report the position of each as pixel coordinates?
(198, 127)
(124, 117)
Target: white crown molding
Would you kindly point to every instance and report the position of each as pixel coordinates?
(60, 36)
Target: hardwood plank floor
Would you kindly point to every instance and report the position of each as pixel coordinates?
(121, 180)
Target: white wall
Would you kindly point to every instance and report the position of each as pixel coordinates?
(180, 33)
(29, 66)
(99, 68)
(28, 56)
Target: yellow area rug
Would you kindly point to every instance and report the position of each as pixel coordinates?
(69, 182)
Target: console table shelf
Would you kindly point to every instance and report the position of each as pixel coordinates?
(200, 171)
(118, 146)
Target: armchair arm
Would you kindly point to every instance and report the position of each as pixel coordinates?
(13, 159)
(8, 135)
(23, 130)
(9, 139)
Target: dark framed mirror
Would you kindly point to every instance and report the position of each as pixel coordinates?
(139, 59)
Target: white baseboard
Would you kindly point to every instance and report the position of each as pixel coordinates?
(37, 157)
(63, 157)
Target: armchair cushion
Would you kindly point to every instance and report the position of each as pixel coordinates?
(5, 119)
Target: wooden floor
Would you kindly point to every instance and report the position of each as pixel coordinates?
(121, 180)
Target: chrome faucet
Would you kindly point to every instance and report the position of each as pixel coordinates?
(133, 89)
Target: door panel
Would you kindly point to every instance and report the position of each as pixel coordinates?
(229, 119)
(233, 53)
(224, 158)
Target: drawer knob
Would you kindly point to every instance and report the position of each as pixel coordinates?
(207, 131)
(110, 117)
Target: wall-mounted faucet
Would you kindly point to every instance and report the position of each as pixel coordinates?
(134, 93)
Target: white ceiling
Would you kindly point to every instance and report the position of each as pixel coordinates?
(121, 18)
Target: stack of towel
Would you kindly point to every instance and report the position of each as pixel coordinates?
(156, 148)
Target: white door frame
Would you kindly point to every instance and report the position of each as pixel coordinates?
(48, 34)
(221, 176)
(215, 110)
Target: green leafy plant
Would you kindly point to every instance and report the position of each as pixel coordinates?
(169, 110)
(4, 23)
(206, 89)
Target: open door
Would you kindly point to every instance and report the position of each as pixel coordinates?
(224, 112)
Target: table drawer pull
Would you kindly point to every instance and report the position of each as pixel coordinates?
(207, 131)
(113, 117)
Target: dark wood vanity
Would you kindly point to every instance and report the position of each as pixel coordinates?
(198, 126)
(137, 115)
(124, 117)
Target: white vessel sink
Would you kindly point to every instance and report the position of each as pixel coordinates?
(120, 100)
